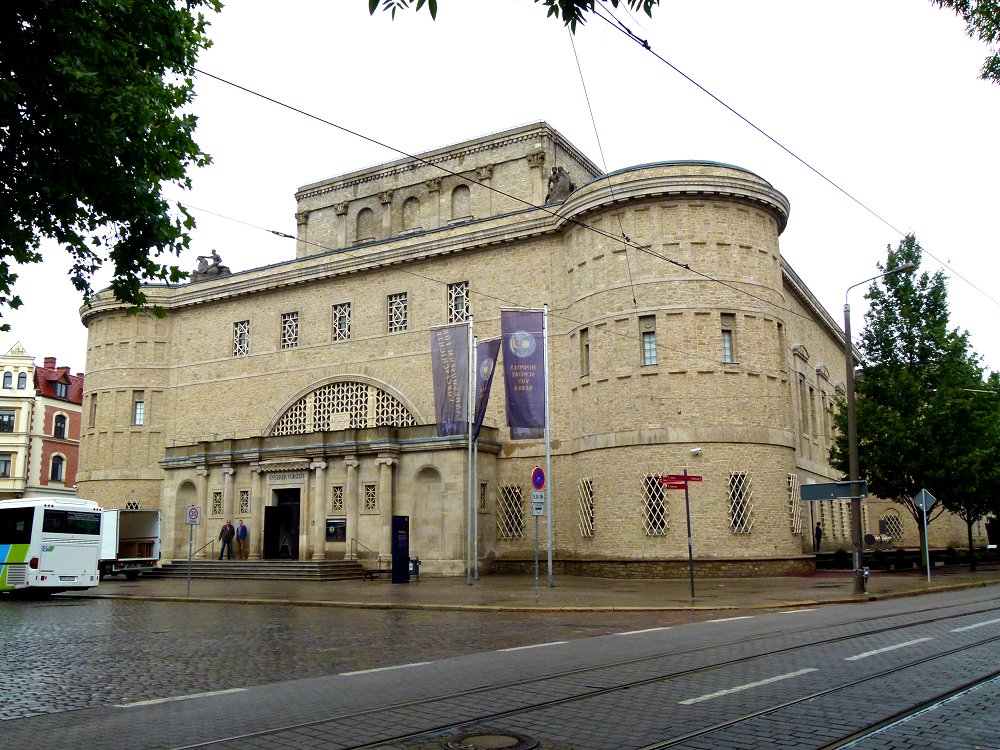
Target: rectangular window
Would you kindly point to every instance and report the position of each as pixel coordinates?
(62, 390)
(56, 470)
(483, 507)
(289, 330)
(647, 328)
(241, 338)
(6, 420)
(510, 512)
(741, 502)
(586, 493)
(71, 522)
(15, 525)
(93, 410)
(584, 351)
(6, 459)
(337, 504)
(397, 311)
(342, 321)
(728, 338)
(371, 498)
(459, 302)
(216, 503)
(138, 408)
(654, 509)
(244, 502)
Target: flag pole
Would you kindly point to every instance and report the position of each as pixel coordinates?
(469, 419)
(473, 407)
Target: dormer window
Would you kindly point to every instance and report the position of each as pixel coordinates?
(61, 390)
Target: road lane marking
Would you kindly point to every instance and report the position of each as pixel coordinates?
(647, 630)
(180, 698)
(977, 625)
(796, 611)
(883, 650)
(385, 669)
(730, 619)
(749, 685)
(536, 645)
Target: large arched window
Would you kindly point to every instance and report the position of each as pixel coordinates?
(59, 426)
(341, 406)
(56, 473)
(8, 380)
(22, 381)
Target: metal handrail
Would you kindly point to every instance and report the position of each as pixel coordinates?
(210, 542)
(356, 543)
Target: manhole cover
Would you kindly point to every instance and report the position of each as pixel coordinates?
(491, 741)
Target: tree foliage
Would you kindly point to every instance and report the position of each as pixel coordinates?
(571, 12)
(982, 21)
(90, 130)
(926, 418)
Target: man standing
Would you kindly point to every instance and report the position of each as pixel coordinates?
(241, 541)
(817, 537)
(226, 537)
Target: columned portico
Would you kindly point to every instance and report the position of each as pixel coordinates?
(319, 509)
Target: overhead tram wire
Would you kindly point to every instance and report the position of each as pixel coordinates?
(487, 295)
(623, 29)
(604, 163)
(546, 209)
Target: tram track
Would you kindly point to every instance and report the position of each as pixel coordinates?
(596, 691)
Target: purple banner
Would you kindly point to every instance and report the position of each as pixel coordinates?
(524, 372)
(486, 364)
(450, 370)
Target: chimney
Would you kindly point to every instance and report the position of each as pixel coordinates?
(50, 363)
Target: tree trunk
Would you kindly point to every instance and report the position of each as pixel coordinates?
(972, 552)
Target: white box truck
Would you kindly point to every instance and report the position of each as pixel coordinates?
(130, 542)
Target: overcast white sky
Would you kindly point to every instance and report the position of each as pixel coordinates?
(882, 98)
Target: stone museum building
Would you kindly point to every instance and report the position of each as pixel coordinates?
(298, 396)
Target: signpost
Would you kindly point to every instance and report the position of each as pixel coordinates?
(537, 510)
(834, 491)
(925, 501)
(192, 517)
(680, 482)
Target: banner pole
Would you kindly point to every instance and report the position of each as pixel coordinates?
(548, 449)
(473, 404)
(468, 497)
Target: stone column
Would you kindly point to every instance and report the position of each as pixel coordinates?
(434, 202)
(201, 531)
(385, 198)
(539, 182)
(351, 503)
(228, 501)
(319, 510)
(305, 519)
(485, 174)
(385, 504)
(256, 512)
(340, 209)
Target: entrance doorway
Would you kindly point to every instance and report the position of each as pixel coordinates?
(281, 526)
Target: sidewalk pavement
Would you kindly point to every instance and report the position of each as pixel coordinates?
(569, 593)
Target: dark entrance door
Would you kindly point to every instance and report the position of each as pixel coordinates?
(281, 526)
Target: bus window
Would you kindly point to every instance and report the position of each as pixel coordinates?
(15, 525)
(70, 522)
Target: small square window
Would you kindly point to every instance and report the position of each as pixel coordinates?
(459, 302)
(241, 338)
(138, 408)
(289, 330)
(398, 312)
(342, 321)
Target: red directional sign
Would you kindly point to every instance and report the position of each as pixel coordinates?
(674, 485)
(679, 478)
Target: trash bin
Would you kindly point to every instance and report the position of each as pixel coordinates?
(415, 568)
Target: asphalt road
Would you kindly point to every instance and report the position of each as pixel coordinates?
(135, 674)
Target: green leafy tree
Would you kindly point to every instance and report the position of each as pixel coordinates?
(982, 20)
(571, 12)
(91, 95)
(918, 427)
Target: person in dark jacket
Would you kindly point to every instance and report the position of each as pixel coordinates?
(226, 537)
(817, 537)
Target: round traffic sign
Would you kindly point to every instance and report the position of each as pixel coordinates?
(538, 478)
(193, 514)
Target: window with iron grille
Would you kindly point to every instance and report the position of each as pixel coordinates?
(337, 503)
(741, 502)
(510, 512)
(586, 494)
(397, 310)
(654, 507)
(459, 302)
(371, 498)
(483, 507)
(289, 330)
(647, 329)
(342, 321)
(216, 503)
(241, 338)
(890, 524)
(244, 502)
(794, 504)
(132, 505)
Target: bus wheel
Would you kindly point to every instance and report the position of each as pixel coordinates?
(132, 574)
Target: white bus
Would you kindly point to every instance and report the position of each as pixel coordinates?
(49, 544)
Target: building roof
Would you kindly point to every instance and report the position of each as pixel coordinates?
(47, 377)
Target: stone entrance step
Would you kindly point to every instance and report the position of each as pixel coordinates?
(282, 570)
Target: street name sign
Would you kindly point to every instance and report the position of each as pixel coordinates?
(671, 478)
(832, 491)
(674, 485)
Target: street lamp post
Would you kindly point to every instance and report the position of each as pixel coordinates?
(852, 433)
